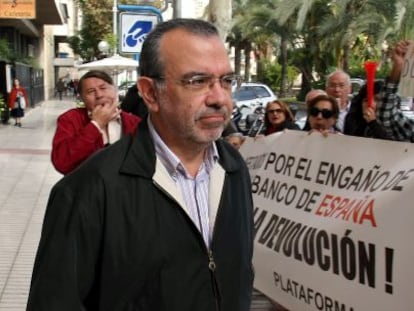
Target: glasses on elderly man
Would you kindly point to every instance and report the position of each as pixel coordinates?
(204, 82)
(337, 85)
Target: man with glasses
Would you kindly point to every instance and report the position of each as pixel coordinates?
(338, 85)
(161, 221)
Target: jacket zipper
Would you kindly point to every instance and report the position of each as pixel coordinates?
(212, 267)
(211, 261)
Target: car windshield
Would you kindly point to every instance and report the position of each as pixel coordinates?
(250, 92)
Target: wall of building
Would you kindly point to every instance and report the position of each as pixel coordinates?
(47, 56)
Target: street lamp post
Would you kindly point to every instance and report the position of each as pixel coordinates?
(177, 9)
(115, 22)
(103, 47)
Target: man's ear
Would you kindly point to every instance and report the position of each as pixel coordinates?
(147, 90)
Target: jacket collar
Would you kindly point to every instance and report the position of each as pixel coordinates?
(140, 157)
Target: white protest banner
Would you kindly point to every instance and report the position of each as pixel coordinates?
(407, 75)
(333, 221)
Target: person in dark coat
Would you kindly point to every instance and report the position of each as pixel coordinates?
(60, 88)
(133, 102)
(361, 120)
(163, 220)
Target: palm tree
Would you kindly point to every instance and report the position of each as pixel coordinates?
(319, 35)
(329, 30)
(255, 27)
(219, 13)
(405, 19)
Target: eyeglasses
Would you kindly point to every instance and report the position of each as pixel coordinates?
(338, 85)
(203, 83)
(326, 113)
(272, 111)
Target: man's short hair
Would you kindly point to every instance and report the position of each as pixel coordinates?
(151, 64)
(338, 71)
(313, 93)
(94, 74)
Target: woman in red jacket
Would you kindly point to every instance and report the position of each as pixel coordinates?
(82, 131)
(18, 102)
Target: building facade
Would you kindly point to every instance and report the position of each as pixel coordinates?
(33, 44)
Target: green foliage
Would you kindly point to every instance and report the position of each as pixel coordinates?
(31, 61)
(112, 40)
(95, 27)
(358, 71)
(5, 52)
(7, 55)
(272, 74)
(155, 3)
(3, 109)
(324, 35)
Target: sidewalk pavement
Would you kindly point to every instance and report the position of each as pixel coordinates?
(26, 176)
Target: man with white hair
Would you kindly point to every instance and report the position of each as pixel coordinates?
(338, 85)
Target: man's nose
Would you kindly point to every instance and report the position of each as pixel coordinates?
(218, 92)
(98, 93)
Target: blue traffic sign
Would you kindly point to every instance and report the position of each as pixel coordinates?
(138, 33)
(134, 29)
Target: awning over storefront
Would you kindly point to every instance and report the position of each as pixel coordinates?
(48, 13)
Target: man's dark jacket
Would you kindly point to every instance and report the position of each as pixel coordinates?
(116, 238)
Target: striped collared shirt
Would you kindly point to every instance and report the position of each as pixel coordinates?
(340, 123)
(195, 191)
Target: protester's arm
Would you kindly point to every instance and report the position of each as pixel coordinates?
(398, 59)
(65, 265)
(397, 125)
(73, 143)
(377, 130)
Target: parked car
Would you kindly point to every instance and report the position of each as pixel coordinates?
(300, 118)
(406, 105)
(356, 84)
(247, 98)
(250, 94)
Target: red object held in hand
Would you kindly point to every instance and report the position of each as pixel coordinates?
(370, 68)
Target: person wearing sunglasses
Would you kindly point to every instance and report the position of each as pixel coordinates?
(309, 96)
(323, 113)
(278, 117)
(162, 221)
